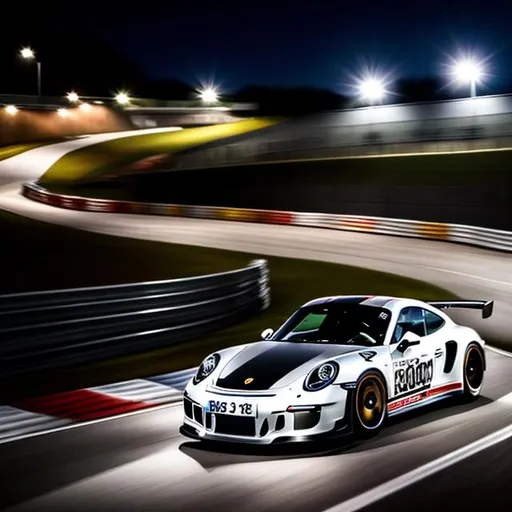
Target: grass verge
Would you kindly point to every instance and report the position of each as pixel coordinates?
(111, 156)
(44, 256)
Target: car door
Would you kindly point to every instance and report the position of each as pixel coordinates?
(444, 349)
(414, 365)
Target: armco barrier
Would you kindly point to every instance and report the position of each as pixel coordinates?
(77, 326)
(471, 235)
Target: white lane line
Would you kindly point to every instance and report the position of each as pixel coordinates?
(499, 351)
(401, 482)
(87, 423)
(472, 276)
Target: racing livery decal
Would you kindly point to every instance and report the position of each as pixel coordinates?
(368, 355)
(413, 374)
(418, 397)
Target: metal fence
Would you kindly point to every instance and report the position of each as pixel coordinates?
(49, 329)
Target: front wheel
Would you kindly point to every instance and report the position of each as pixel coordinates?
(473, 371)
(370, 404)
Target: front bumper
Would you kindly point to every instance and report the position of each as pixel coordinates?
(328, 417)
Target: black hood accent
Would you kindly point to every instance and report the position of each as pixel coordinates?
(270, 366)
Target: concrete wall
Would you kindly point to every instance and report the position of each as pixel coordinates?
(32, 125)
(153, 117)
(479, 122)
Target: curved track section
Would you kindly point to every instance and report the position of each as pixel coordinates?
(31, 164)
(467, 271)
(142, 460)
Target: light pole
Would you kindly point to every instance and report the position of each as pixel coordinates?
(468, 71)
(372, 90)
(29, 54)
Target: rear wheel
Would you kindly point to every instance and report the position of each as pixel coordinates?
(370, 404)
(473, 371)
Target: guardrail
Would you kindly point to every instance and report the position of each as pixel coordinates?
(49, 329)
(470, 235)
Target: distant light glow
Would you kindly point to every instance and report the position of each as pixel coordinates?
(372, 89)
(209, 95)
(63, 112)
(11, 110)
(467, 67)
(122, 98)
(468, 71)
(27, 53)
(73, 97)
(85, 107)
(371, 84)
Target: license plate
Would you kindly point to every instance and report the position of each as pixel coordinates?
(231, 407)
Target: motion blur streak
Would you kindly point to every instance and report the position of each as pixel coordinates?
(141, 459)
(467, 271)
(33, 163)
(388, 488)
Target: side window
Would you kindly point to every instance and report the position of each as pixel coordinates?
(410, 319)
(433, 322)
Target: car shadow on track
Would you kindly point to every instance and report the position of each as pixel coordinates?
(212, 455)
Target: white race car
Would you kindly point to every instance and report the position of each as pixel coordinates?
(338, 365)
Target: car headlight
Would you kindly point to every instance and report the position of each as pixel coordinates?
(321, 376)
(206, 368)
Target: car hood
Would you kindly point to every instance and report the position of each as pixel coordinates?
(275, 364)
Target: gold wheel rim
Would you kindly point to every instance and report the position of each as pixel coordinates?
(370, 402)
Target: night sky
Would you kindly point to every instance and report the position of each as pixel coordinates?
(318, 43)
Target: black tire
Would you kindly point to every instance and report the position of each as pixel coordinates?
(369, 405)
(473, 368)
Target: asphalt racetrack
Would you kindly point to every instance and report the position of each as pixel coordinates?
(141, 462)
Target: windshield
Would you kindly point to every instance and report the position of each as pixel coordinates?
(340, 324)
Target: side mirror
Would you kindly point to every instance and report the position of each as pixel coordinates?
(409, 339)
(267, 333)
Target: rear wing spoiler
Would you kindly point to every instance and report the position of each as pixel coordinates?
(486, 307)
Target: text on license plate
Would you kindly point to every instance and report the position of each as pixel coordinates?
(233, 408)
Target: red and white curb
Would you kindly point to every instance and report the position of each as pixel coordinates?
(46, 413)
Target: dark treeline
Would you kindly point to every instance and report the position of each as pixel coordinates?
(90, 66)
